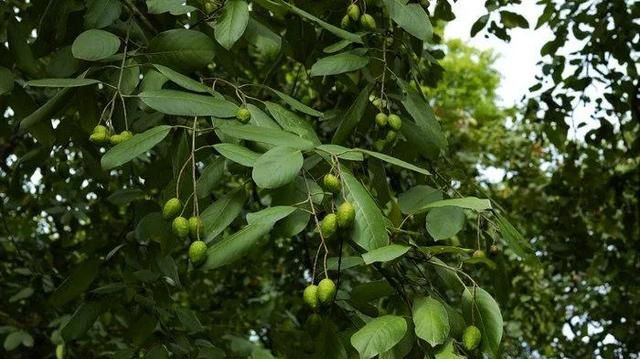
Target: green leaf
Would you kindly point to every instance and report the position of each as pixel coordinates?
(134, 147)
(6, 80)
(232, 248)
(473, 203)
(77, 82)
(82, 320)
(379, 335)
(395, 161)
(331, 28)
(516, 242)
(189, 320)
(424, 117)
(277, 167)
(338, 64)
(344, 153)
(181, 103)
(512, 20)
(270, 215)
(181, 80)
(385, 254)
(481, 310)
(411, 17)
(448, 351)
(352, 117)
(416, 198)
(93, 45)
(436, 250)
(291, 122)
(181, 49)
(174, 7)
(297, 105)
(218, 216)
(101, 13)
(345, 263)
(232, 23)
(125, 196)
(24, 293)
(210, 177)
(369, 230)
(238, 154)
(431, 320)
(76, 283)
(14, 339)
(271, 136)
(479, 24)
(266, 42)
(445, 222)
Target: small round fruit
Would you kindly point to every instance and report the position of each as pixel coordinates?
(126, 135)
(345, 215)
(331, 183)
(471, 337)
(243, 115)
(353, 11)
(197, 252)
(329, 225)
(494, 250)
(345, 22)
(171, 208)
(479, 253)
(310, 296)
(100, 128)
(195, 226)
(368, 22)
(210, 6)
(61, 351)
(391, 135)
(99, 137)
(180, 227)
(379, 145)
(395, 122)
(381, 119)
(116, 139)
(326, 291)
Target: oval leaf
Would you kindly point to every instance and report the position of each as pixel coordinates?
(232, 23)
(385, 254)
(134, 147)
(181, 103)
(238, 154)
(481, 310)
(445, 222)
(94, 45)
(267, 135)
(338, 64)
(431, 320)
(230, 249)
(182, 49)
(277, 167)
(379, 335)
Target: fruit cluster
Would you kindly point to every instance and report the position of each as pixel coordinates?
(183, 227)
(393, 122)
(353, 14)
(102, 135)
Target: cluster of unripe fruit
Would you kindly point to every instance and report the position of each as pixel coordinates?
(394, 122)
(353, 14)
(101, 135)
(183, 227)
(322, 294)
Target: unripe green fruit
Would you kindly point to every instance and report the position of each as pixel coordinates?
(243, 115)
(345, 215)
(379, 145)
(180, 227)
(329, 225)
(197, 252)
(116, 139)
(494, 249)
(99, 137)
(331, 183)
(326, 291)
(353, 11)
(381, 119)
(395, 122)
(345, 22)
(171, 208)
(391, 135)
(368, 22)
(195, 226)
(377, 103)
(209, 7)
(100, 128)
(479, 254)
(310, 296)
(61, 351)
(126, 135)
(471, 337)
